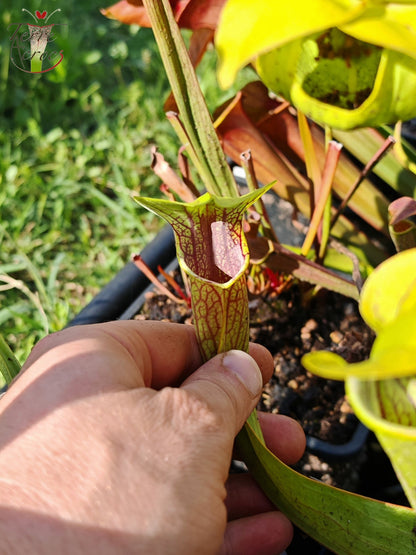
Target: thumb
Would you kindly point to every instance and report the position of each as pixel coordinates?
(230, 384)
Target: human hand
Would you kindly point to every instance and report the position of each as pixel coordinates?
(115, 439)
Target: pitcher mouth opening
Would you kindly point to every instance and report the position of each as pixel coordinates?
(338, 69)
(357, 390)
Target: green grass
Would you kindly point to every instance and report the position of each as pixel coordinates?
(74, 146)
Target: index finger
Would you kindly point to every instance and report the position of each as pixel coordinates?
(129, 353)
(175, 353)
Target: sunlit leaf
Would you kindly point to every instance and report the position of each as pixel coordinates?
(396, 341)
(363, 143)
(382, 389)
(369, 88)
(393, 353)
(352, 523)
(326, 365)
(390, 290)
(248, 28)
(388, 24)
(388, 408)
(128, 11)
(374, 401)
(209, 234)
(9, 366)
(402, 453)
(254, 120)
(299, 53)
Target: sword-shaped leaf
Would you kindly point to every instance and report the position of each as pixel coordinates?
(344, 522)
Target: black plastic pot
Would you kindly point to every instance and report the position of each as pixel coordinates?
(122, 292)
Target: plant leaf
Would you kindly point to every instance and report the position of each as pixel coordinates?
(382, 92)
(170, 178)
(248, 28)
(191, 14)
(402, 454)
(382, 390)
(326, 364)
(401, 209)
(128, 11)
(288, 262)
(395, 405)
(344, 522)
(216, 174)
(393, 355)
(388, 407)
(331, 161)
(200, 14)
(363, 143)
(388, 24)
(390, 291)
(252, 119)
(396, 343)
(238, 134)
(209, 235)
(221, 315)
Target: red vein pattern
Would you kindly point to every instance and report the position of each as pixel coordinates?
(212, 250)
(395, 404)
(221, 315)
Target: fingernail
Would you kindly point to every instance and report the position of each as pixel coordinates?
(246, 369)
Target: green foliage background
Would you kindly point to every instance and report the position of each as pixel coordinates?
(74, 148)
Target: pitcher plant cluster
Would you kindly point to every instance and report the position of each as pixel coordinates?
(335, 80)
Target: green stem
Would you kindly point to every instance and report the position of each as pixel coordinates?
(326, 216)
(180, 131)
(248, 166)
(381, 152)
(326, 227)
(312, 167)
(331, 161)
(193, 111)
